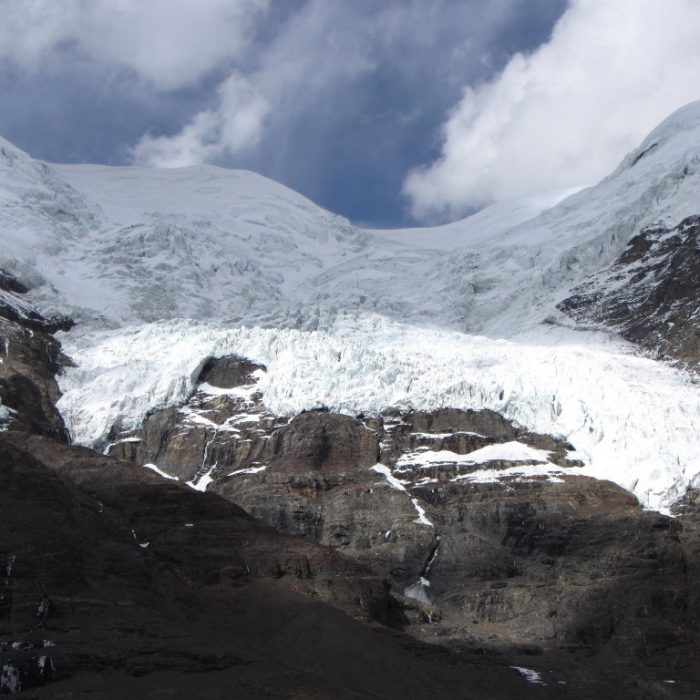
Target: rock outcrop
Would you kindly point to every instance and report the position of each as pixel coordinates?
(488, 535)
(30, 357)
(115, 582)
(650, 293)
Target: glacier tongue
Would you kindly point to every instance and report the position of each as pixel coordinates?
(632, 420)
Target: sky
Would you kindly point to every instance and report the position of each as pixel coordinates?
(389, 112)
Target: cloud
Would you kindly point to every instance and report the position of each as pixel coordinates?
(337, 99)
(316, 61)
(171, 44)
(565, 114)
(235, 126)
(315, 50)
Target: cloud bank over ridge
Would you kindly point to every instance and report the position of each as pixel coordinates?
(388, 113)
(566, 113)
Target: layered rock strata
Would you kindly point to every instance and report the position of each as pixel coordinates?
(487, 533)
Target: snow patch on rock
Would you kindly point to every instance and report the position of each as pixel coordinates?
(507, 452)
(155, 468)
(530, 675)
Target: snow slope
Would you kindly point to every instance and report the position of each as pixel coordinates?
(120, 245)
(483, 227)
(399, 321)
(133, 244)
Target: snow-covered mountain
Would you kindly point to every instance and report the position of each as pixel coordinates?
(162, 269)
(217, 244)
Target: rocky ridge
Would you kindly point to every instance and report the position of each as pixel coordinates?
(650, 293)
(486, 532)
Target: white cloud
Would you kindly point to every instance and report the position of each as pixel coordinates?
(235, 126)
(315, 50)
(311, 64)
(191, 146)
(169, 43)
(567, 113)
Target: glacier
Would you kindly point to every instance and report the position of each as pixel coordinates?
(163, 269)
(632, 420)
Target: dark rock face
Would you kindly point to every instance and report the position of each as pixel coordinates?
(106, 568)
(650, 294)
(228, 545)
(477, 552)
(14, 308)
(688, 507)
(325, 443)
(104, 564)
(214, 427)
(30, 357)
(107, 592)
(227, 372)
(9, 284)
(572, 564)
